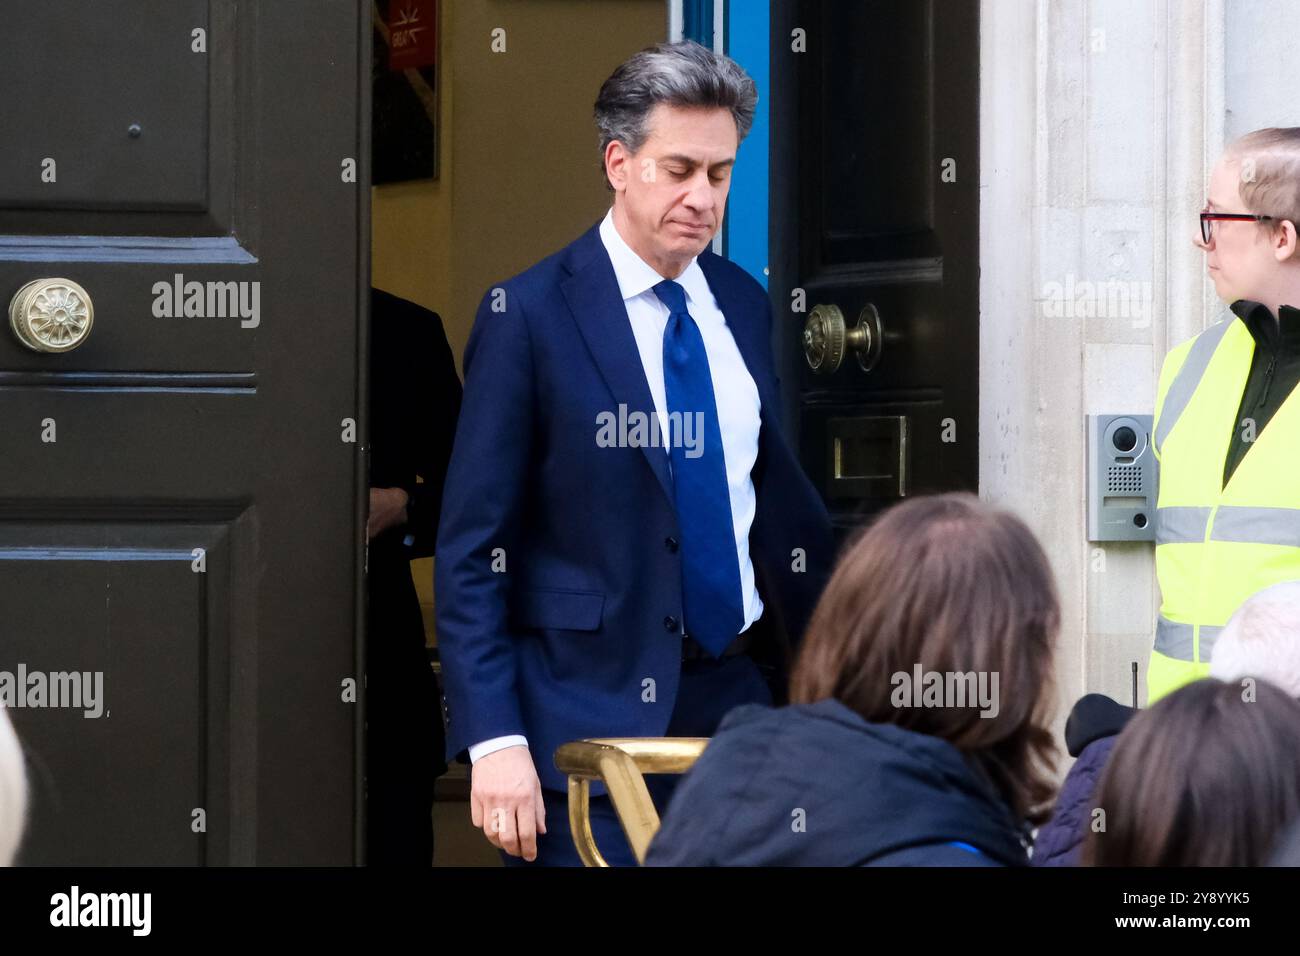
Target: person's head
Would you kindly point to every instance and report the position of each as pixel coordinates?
(951, 586)
(13, 791)
(1208, 776)
(671, 119)
(1258, 174)
(1262, 639)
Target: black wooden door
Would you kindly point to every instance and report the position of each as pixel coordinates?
(875, 190)
(181, 493)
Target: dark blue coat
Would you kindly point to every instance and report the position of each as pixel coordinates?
(1090, 733)
(866, 794)
(578, 636)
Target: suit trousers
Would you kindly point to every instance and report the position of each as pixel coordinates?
(709, 688)
(404, 731)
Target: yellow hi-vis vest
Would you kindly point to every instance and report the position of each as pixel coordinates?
(1217, 545)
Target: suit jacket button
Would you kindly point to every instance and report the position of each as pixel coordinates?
(670, 623)
(671, 544)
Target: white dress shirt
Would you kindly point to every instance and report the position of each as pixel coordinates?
(734, 392)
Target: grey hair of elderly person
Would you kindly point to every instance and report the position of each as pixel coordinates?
(1262, 639)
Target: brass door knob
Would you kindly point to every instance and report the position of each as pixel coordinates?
(826, 338)
(51, 315)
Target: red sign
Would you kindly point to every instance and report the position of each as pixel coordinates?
(412, 34)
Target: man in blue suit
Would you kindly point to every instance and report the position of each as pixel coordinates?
(627, 546)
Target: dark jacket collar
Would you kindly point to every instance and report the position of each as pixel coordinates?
(1264, 327)
(874, 788)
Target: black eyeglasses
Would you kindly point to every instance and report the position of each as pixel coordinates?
(1208, 217)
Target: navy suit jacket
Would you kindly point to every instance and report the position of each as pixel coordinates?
(555, 580)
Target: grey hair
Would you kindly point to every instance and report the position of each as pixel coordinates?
(1262, 639)
(683, 74)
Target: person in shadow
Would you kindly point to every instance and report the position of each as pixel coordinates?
(415, 398)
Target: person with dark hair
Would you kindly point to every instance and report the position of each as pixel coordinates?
(629, 546)
(1208, 776)
(916, 732)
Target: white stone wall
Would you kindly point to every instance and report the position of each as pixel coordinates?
(1100, 120)
(1261, 51)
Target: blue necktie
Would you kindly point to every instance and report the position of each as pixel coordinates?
(713, 610)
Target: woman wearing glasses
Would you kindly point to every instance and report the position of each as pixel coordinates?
(1227, 426)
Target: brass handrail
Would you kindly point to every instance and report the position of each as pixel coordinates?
(619, 762)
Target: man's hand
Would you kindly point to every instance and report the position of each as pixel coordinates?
(387, 508)
(505, 799)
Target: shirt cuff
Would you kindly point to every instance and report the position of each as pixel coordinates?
(495, 744)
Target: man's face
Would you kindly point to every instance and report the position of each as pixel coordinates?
(670, 196)
(1240, 257)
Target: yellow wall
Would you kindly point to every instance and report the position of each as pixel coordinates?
(518, 162)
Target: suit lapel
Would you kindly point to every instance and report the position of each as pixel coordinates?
(744, 329)
(593, 297)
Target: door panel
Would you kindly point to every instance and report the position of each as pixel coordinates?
(209, 432)
(866, 121)
(127, 76)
